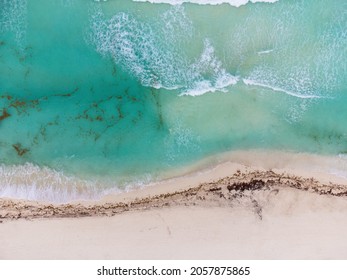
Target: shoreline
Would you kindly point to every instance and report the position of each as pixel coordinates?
(325, 169)
(309, 172)
(258, 208)
(231, 191)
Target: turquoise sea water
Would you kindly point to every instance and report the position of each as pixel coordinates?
(100, 95)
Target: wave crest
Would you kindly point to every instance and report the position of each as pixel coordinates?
(151, 54)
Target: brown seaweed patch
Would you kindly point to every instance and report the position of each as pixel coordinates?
(20, 151)
(249, 186)
(215, 193)
(120, 114)
(18, 103)
(69, 94)
(21, 106)
(158, 108)
(6, 96)
(4, 114)
(98, 112)
(43, 129)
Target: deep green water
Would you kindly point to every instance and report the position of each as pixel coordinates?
(97, 95)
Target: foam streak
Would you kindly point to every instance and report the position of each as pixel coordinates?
(254, 83)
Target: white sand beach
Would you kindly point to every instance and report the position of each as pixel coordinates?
(260, 206)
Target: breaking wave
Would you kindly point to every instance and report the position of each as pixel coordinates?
(152, 56)
(32, 182)
(274, 88)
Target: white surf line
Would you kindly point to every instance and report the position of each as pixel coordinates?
(265, 51)
(254, 83)
(205, 86)
(235, 3)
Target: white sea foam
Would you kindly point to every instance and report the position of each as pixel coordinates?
(208, 63)
(295, 80)
(150, 53)
(32, 182)
(13, 18)
(235, 3)
(181, 139)
(265, 51)
(255, 83)
(202, 87)
(140, 49)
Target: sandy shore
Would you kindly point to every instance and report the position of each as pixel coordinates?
(242, 205)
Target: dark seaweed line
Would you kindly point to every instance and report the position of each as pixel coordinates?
(224, 192)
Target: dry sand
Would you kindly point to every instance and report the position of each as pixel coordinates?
(249, 205)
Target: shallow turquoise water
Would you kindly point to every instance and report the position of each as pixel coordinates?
(127, 90)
